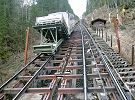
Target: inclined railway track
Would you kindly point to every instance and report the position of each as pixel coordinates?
(84, 68)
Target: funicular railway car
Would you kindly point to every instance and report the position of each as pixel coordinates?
(53, 28)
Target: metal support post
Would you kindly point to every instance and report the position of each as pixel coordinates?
(41, 31)
(56, 36)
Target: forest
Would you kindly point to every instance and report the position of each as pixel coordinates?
(17, 15)
(119, 4)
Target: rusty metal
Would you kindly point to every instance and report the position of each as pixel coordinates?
(63, 75)
(111, 41)
(68, 77)
(68, 67)
(108, 63)
(133, 55)
(22, 91)
(26, 46)
(115, 21)
(15, 76)
(63, 85)
(60, 90)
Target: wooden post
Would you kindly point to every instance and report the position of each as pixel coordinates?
(115, 21)
(99, 32)
(26, 46)
(133, 55)
(110, 17)
(96, 31)
(106, 36)
(111, 40)
(102, 33)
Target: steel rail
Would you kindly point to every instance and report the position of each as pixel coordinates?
(118, 73)
(30, 81)
(64, 65)
(84, 66)
(125, 86)
(98, 71)
(15, 76)
(58, 80)
(116, 83)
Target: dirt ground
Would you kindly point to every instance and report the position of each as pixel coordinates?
(126, 31)
(16, 61)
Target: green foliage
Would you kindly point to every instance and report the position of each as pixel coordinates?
(122, 27)
(50, 6)
(4, 55)
(95, 4)
(15, 17)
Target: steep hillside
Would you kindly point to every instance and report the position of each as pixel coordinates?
(126, 23)
(15, 17)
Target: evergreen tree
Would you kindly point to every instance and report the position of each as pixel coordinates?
(15, 16)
